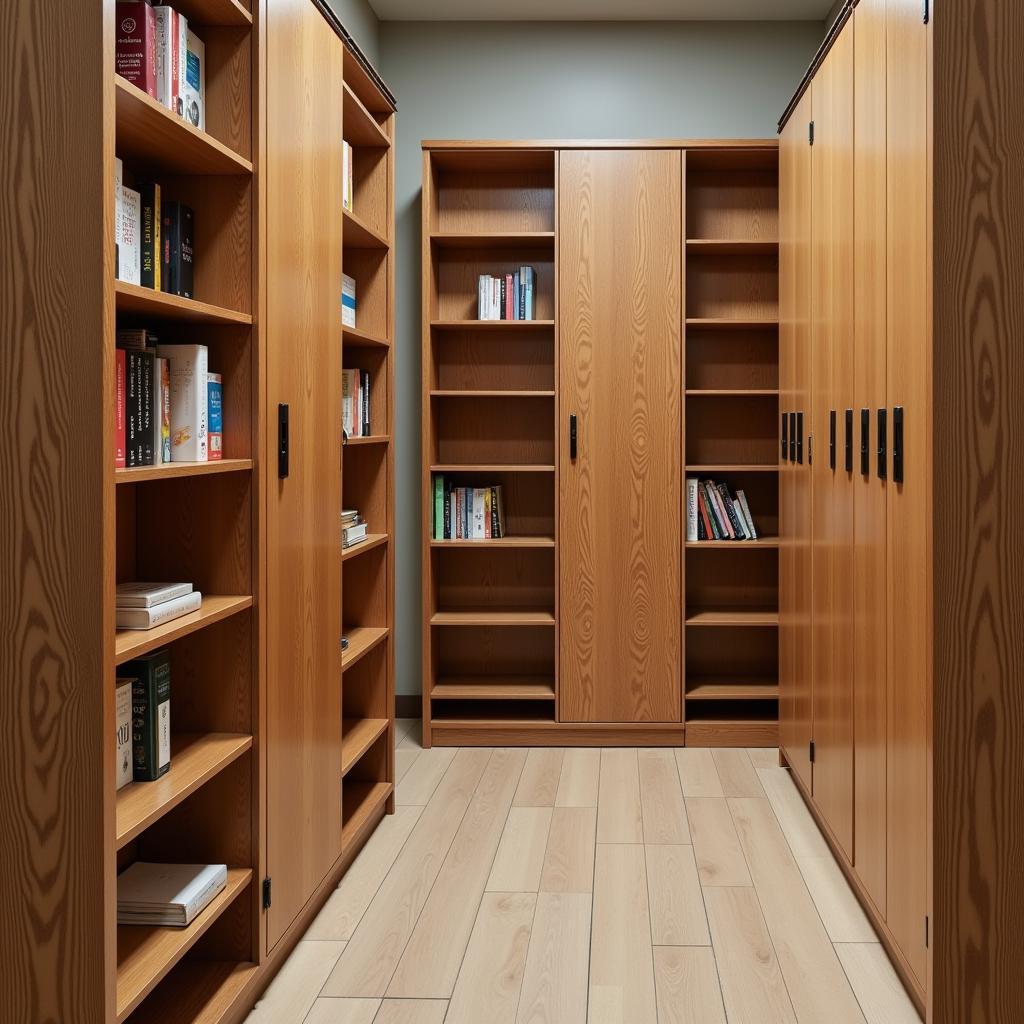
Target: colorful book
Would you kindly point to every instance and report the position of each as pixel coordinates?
(162, 419)
(214, 417)
(135, 49)
(189, 401)
(123, 739)
(348, 300)
(151, 714)
(120, 397)
(438, 507)
(150, 256)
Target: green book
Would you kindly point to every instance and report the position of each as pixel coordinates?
(151, 715)
(438, 507)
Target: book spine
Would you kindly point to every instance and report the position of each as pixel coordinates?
(495, 526)
(194, 92)
(147, 407)
(123, 715)
(702, 533)
(132, 408)
(186, 253)
(736, 527)
(149, 276)
(164, 55)
(508, 298)
(458, 513)
(516, 310)
(502, 297)
(172, 53)
(500, 494)
(181, 58)
(151, 715)
(215, 417)
(366, 402)
(119, 408)
(705, 519)
(438, 507)
(691, 508)
(170, 249)
(448, 510)
(165, 411)
(711, 508)
(529, 293)
(723, 518)
(129, 260)
(752, 530)
(487, 513)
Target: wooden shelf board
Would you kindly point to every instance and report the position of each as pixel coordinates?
(195, 759)
(733, 617)
(373, 540)
(197, 992)
(371, 439)
(732, 392)
(732, 323)
(733, 246)
(133, 298)
(357, 736)
(214, 12)
(133, 643)
(488, 467)
(367, 797)
(732, 467)
(495, 617)
(736, 689)
(148, 131)
(512, 720)
(492, 239)
(358, 337)
(146, 954)
(497, 542)
(496, 393)
(493, 688)
(172, 470)
(733, 732)
(361, 640)
(738, 545)
(359, 127)
(489, 325)
(357, 234)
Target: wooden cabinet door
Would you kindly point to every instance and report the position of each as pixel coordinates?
(302, 169)
(870, 600)
(620, 508)
(795, 721)
(832, 498)
(909, 572)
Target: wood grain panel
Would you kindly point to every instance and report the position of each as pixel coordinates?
(870, 603)
(498, 200)
(304, 699)
(620, 373)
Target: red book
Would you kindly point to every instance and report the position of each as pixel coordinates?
(135, 58)
(704, 514)
(509, 298)
(119, 438)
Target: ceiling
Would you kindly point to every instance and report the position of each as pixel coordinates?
(602, 10)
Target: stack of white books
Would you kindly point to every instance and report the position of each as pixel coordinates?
(145, 605)
(171, 895)
(353, 528)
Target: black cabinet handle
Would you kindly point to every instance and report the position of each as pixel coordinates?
(800, 438)
(282, 441)
(832, 439)
(897, 444)
(792, 437)
(572, 436)
(865, 432)
(785, 437)
(849, 440)
(881, 443)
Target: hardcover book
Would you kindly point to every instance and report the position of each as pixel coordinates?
(151, 715)
(189, 401)
(119, 407)
(165, 55)
(129, 235)
(177, 269)
(348, 300)
(148, 595)
(691, 508)
(149, 276)
(135, 55)
(169, 895)
(215, 417)
(193, 95)
(168, 611)
(123, 741)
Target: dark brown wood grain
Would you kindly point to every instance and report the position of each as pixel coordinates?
(978, 210)
(56, 513)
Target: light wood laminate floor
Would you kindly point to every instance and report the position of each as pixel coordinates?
(625, 886)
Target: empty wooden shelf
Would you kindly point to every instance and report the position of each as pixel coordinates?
(357, 736)
(360, 235)
(173, 470)
(133, 298)
(732, 617)
(493, 688)
(373, 540)
(361, 640)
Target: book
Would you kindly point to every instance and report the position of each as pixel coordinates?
(352, 535)
(180, 57)
(148, 595)
(120, 397)
(346, 175)
(151, 714)
(691, 508)
(723, 518)
(123, 738)
(711, 506)
(149, 272)
(162, 415)
(351, 416)
(135, 49)
(128, 217)
(705, 517)
(448, 510)
(439, 507)
(738, 531)
(193, 84)
(348, 301)
(138, 407)
(214, 417)
(177, 270)
(168, 611)
(742, 499)
(165, 35)
(189, 401)
(479, 511)
(364, 391)
(171, 895)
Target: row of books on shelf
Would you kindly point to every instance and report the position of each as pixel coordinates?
(467, 513)
(157, 52)
(508, 296)
(353, 528)
(154, 239)
(355, 403)
(714, 513)
(143, 718)
(168, 406)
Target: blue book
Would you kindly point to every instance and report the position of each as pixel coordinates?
(515, 297)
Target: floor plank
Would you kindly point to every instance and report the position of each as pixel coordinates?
(677, 904)
(797, 824)
(569, 858)
(661, 798)
(814, 977)
(752, 985)
(343, 1011)
(292, 993)
(539, 781)
(763, 757)
(686, 980)
(555, 981)
(720, 859)
(577, 785)
(619, 815)
(412, 1011)
(405, 758)
(366, 967)
(428, 968)
(418, 786)
(621, 961)
(520, 857)
(413, 737)
(488, 985)
(882, 997)
(347, 904)
(841, 913)
(697, 772)
(736, 773)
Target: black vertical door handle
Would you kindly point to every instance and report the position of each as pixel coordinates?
(849, 440)
(832, 439)
(785, 437)
(792, 437)
(282, 441)
(800, 438)
(572, 436)
(882, 442)
(897, 444)
(865, 437)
